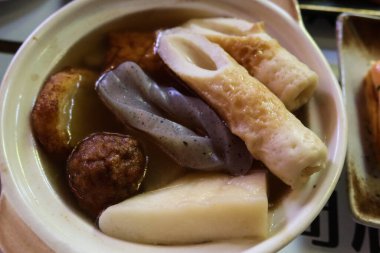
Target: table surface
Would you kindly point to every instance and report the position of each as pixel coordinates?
(332, 231)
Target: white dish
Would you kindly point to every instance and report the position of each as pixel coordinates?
(47, 212)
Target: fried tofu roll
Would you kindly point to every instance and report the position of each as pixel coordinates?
(264, 58)
(137, 47)
(272, 134)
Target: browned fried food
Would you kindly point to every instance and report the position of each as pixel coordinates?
(130, 46)
(371, 88)
(133, 46)
(68, 109)
(105, 169)
(50, 113)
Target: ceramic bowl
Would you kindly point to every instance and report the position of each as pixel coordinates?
(70, 34)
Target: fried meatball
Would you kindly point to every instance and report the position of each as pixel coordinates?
(63, 113)
(104, 169)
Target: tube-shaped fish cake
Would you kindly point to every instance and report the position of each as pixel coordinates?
(264, 58)
(272, 134)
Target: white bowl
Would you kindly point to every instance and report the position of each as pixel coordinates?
(38, 200)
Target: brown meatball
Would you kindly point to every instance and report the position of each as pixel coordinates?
(104, 169)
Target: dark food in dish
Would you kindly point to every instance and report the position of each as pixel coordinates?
(105, 169)
(371, 88)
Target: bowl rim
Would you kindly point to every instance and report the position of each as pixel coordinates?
(19, 201)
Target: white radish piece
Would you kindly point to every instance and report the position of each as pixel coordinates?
(196, 208)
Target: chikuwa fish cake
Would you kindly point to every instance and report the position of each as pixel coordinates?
(264, 58)
(272, 134)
